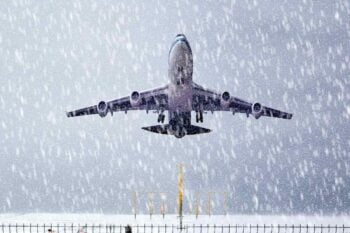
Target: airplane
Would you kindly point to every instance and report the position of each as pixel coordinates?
(179, 98)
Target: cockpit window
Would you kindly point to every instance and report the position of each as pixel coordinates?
(178, 35)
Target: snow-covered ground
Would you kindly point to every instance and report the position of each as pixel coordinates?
(45, 218)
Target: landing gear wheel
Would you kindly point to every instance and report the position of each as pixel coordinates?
(161, 118)
(199, 117)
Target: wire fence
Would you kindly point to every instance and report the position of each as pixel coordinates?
(73, 228)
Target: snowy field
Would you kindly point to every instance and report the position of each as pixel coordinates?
(100, 223)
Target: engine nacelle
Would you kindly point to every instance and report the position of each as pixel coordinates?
(225, 99)
(102, 108)
(257, 110)
(135, 98)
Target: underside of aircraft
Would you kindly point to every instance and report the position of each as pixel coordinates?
(179, 98)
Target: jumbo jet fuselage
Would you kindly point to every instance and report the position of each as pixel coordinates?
(180, 88)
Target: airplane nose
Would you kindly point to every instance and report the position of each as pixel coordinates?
(180, 37)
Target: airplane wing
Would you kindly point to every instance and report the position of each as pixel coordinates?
(208, 100)
(156, 99)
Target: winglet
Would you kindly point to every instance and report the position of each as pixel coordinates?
(69, 114)
(288, 116)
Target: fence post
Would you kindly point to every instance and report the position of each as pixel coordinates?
(37, 228)
(200, 229)
(343, 228)
(250, 228)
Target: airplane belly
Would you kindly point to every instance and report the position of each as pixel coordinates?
(180, 99)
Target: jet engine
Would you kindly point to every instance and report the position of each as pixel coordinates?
(102, 108)
(225, 99)
(135, 98)
(257, 110)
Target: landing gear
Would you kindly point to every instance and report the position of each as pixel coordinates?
(161, 118)
(199, 116)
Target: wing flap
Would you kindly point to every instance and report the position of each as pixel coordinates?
(208, 100)
(155, 99)
(83, 111)
(270, 112)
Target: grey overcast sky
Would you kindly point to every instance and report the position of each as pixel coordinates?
(57, 56)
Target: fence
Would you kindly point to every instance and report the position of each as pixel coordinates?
(63, 228)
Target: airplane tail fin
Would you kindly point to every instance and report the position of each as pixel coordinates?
(165, 129)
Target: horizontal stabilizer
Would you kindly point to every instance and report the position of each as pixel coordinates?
(165, 129)
(162, 129)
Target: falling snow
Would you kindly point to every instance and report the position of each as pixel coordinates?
(57, 56)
